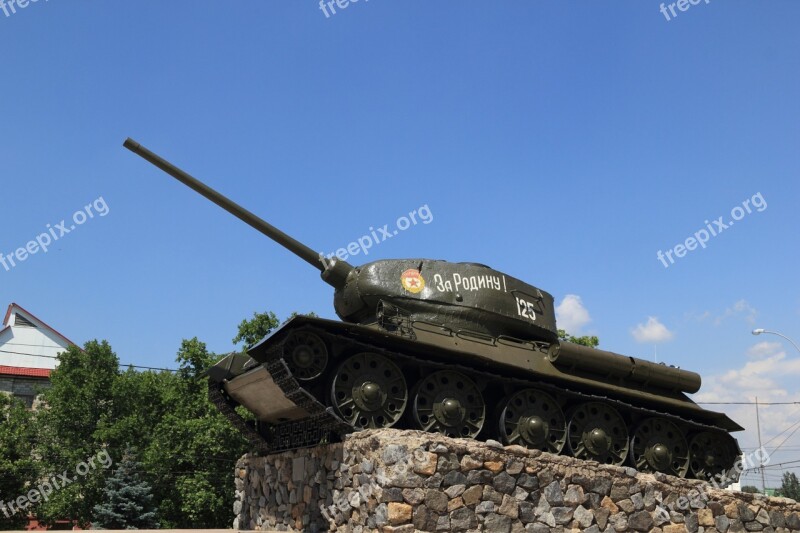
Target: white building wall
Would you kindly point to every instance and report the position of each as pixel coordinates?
(33, 342)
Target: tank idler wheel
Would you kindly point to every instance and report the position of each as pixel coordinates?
(306, 355)
(658, 445)
(369, 391)
(712, 454)
(533, 419)
(597, 432)
(450, 403)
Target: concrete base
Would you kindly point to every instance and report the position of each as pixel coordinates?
(390, 480)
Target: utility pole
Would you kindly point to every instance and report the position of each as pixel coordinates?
(760, 455)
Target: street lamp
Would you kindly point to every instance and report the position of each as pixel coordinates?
(759, 331)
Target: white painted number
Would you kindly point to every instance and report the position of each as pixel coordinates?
(525, 309)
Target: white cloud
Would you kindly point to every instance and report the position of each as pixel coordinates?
(757, 377)
(699, 317)
(571, 315)
(651, 332)
(740, 308)
(753, 374)
(771, 376)
(764, 349)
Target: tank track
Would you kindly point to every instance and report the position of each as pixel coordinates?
(317, 429)
(324, 425)
(227, 407)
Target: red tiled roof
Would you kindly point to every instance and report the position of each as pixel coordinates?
(27, 372)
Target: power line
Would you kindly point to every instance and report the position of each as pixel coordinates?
(782, 432)
(754, 448)
(33, 345)
(30, 354)
(120, 364)
(776, 465)
(748, 403)
(785, 430)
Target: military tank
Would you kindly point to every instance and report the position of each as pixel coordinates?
(460, 349)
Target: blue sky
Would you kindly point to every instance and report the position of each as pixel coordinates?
(564, 143)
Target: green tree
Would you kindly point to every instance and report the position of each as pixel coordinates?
(751, 489)
(295, 313)
(128, 499)
(17, 464)
(590, 341)
(79, 405)
(187, 448)
(193, 450)
(790, 486)
(253, 330)
(138, 404)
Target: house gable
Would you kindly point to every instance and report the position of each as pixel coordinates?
(28, 343)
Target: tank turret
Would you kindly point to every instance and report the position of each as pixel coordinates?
(466, 296)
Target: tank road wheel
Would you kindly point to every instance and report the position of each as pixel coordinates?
(597, 432)
(711, 454)
(306, 355)
(533, 419)
(369, 391)
(658, 445)
(449, 403)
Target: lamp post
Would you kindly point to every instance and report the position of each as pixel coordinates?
(759, 331)
(760, 455)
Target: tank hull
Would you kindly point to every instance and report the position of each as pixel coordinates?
(294, 412)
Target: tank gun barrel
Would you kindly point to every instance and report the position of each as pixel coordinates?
(332, 271)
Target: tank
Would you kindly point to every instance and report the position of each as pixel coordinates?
(460, 349)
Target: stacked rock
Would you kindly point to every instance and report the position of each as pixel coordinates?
(390, 480)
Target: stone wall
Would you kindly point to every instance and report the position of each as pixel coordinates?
(392, 480)
(26, 389)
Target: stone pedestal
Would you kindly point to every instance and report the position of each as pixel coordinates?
(390, 480)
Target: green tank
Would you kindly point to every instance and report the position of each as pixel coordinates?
(464, 350)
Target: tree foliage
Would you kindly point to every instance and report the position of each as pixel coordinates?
(193, 449)
(295, 313)
(17, 463)
(186, 449)
(80, 406)
(590, 341)
(128, 499)
(790, 486)
(253, 330)
(751, 489)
